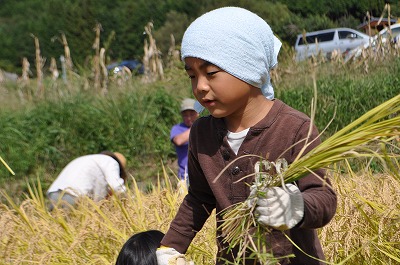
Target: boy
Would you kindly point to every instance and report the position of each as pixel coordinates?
(228, 54)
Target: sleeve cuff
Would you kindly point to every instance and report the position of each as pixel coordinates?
(176, 240)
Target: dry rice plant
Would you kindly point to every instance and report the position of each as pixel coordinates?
(93, 232)
(24, 79)
(365, 229)
(377, 50)
(379, 125)
(53, 69)
(153, 69)
(6, 165)
(40, 61)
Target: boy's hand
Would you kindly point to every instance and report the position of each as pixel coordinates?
(169, 256)
(280, 208)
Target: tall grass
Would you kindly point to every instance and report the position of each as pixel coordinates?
(342, 89)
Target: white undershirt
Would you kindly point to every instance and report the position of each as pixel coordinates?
(235, 139)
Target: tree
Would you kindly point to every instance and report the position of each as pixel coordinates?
(123, 23)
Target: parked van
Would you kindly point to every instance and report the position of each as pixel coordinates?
(381, 38)
(326, 41)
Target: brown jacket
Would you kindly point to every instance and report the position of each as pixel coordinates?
(272, 137)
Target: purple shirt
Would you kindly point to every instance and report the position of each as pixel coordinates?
(181, 151)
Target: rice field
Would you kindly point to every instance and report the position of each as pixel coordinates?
(365, 230)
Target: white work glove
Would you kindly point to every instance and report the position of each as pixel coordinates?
(169, 256)
(277, 207)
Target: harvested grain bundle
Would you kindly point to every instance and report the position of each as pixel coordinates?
(379, 125)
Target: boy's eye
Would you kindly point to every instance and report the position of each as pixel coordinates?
(212, 72)
(190, 75)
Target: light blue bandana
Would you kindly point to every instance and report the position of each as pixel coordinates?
(236, 40)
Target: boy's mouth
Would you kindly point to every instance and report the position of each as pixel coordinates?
(208, 103)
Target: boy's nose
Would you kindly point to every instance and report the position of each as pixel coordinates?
(202, 84)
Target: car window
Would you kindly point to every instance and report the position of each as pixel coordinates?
(395, 32)
(321, 37)
(345, 34)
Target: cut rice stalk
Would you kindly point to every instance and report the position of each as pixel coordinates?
(379, 125)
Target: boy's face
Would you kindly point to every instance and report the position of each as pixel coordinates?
(222, 94)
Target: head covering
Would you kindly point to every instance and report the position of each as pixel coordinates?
(120, 158)
(237, 41)
(187, 104)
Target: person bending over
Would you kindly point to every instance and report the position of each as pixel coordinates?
(94, 175)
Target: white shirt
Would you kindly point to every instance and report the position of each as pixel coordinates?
(235, 139)
(90, 175)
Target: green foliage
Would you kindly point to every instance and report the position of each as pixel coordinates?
(77, 19)
(347, 92)
(309, 23)
(52, 133)
(277, 15)
(123, 23)
(338, 8)
(175, 24)
(317, 22)
(44, 136)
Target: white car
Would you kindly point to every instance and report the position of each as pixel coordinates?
(382, 37)
(327, 41)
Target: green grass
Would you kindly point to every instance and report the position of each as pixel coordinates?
(348, 91)
(43, 136)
